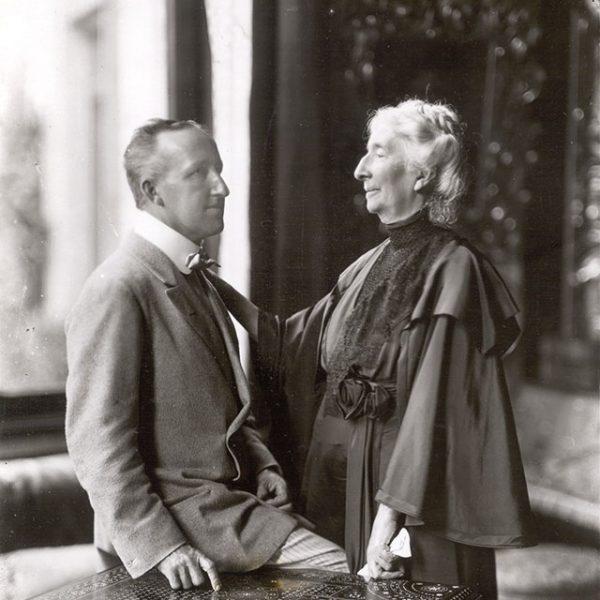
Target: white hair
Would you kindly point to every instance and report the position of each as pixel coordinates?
(431, 134)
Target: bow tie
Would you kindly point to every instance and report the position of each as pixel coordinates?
(200, 260)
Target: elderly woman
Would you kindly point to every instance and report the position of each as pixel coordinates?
(394, 384)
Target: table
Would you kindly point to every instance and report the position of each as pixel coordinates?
(265, 584)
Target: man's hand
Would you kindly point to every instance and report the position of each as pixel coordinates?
(185, 567)
(273, 489)
(382, 564)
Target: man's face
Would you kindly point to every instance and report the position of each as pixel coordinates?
(190, 184)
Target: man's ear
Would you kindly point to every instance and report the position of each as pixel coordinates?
(150, 192)
(424, 179)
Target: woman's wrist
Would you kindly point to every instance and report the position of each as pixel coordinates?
(389, 514)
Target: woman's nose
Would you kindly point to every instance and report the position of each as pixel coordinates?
(361, 172)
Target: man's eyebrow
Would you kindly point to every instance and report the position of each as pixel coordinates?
(198, 163)
(202, 163)
(195, 164)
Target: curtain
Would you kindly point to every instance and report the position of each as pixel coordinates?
(190, 71)
(288, 228)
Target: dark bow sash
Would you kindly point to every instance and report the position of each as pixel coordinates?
(367, 404)
(360, 397)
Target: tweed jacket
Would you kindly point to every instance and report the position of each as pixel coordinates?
(159, 423)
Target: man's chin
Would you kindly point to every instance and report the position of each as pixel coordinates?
(220, 227)
(214, 230)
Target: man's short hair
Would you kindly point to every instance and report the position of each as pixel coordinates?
(140, 158)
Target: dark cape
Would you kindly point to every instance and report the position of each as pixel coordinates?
(448, 458)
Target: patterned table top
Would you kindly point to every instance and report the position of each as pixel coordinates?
(266, 584)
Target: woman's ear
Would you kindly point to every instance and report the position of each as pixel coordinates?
(150, 192)
(424, 179)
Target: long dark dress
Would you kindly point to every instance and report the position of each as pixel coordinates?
(396, 394)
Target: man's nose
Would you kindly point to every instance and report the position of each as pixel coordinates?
(220, 187)
(362, 172)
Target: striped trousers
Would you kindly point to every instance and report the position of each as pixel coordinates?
(304, 549)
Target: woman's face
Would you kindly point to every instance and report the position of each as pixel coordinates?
(387, 177)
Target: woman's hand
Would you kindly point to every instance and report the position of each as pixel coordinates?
(381, 563)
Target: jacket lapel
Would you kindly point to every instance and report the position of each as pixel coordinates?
(206, 315)
(193, 305)
(228, 332)
(197, 317)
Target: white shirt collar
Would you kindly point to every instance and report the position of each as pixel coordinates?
(176, 246)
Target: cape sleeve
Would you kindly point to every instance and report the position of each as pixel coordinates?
(455, 467)
(286, 369)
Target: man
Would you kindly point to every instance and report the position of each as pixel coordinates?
(159, 421)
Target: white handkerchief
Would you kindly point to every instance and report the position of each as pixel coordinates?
(400, 546)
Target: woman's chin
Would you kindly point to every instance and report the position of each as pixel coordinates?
(371, 208)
